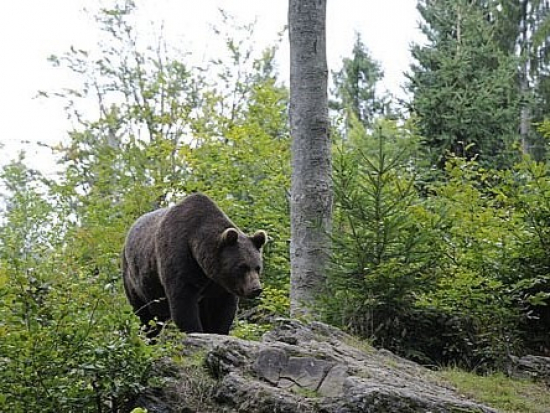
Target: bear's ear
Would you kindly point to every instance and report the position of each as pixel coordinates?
(259, 239)
(229, 237)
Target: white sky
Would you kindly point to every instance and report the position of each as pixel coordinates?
(32, 30)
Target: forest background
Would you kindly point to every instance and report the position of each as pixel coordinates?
(442, 202)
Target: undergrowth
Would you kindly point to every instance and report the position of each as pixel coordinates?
(501, 392)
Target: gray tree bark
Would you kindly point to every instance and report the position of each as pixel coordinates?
(311, 189)
(525, 114)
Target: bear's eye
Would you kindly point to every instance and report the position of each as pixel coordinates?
(258, 269)
(243, 268)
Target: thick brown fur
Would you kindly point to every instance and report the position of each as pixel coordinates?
(190, 263)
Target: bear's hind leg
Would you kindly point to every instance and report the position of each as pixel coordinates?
(152, 314)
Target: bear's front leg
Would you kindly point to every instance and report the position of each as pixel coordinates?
(184, 310)
(217, 310)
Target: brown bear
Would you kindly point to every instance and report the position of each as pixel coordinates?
(190, 263)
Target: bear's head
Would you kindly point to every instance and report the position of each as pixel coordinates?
(240, 260)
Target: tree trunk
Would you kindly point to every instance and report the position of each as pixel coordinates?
(525, 113)
(311, 191)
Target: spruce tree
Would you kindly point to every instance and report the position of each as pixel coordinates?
(465, 91)
(355, 86)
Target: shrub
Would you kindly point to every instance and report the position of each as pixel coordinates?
(66, 343)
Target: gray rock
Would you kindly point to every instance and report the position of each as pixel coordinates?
(333, 384)
(270, 363)
(299, 368)
(307, 372)
(535, 367)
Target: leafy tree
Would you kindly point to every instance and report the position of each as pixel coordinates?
(66, 344)
(161, 130)
(476, 233)
(236, 72)
(174, 132)
(526, 189)
(146, 102)
(248, 173)
(465, 95)
(456, 275)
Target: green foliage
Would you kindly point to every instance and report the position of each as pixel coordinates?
(380, 254)
(477, 236)
(524, 32)
(500, 392)
(274, 302)
(68, 340)
(250, 331)
(248, 173)
(145, 100)
(452, 271)
(169, 132)
(66, 343)
(526, 189)
(355, 86)
(465, 94)
(454, 274)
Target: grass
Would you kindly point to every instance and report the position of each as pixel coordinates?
(500, 392)
(360, 344)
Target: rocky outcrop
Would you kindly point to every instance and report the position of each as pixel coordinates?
(299, 368)
(532, 367)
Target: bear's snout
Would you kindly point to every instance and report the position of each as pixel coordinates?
(251, 287)
(254, 293)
